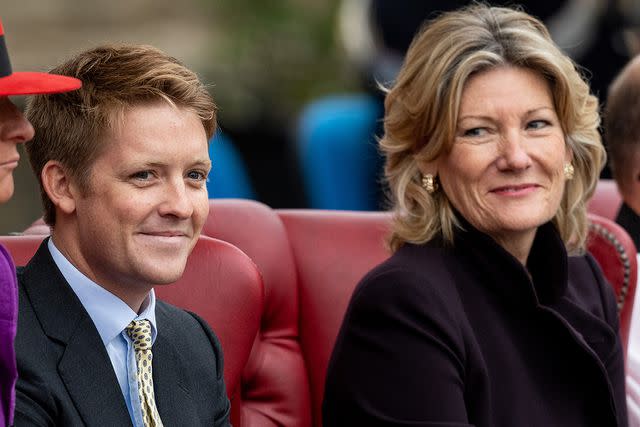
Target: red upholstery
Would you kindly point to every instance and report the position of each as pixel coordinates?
(22, 248)
(220, 283)
(606, 200)
(223, 285)
(332, 250)
(310, 262)
(614, 250)
(275, 388)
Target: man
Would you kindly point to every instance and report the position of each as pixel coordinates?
(622, 118)
(122, 165)
(622, 132)
(14, 130)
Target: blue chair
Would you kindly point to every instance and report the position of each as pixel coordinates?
(229, 177)
(337, 147)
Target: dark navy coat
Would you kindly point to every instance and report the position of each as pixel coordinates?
(466, 336)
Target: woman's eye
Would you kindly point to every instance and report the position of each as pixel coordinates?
(475, 132)
(537, 124)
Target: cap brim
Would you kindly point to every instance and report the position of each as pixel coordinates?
(33, 83)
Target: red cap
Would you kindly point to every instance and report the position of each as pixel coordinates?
(30, 83)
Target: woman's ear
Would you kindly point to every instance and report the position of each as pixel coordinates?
(426, 167)
(568, 155)
(57, 183)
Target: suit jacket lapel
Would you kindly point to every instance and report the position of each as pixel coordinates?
(84, 367)
(175, 405)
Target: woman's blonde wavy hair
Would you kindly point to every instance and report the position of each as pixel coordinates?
(421, 112)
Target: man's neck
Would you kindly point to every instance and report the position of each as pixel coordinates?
(133, 296)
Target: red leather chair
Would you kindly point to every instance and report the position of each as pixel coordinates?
(614, 250)
(275, 389)
(220, 283)
(606, 200)
(275, 385)
(332, 251)
(311, 261)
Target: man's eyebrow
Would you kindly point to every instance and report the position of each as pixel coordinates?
(202, 162)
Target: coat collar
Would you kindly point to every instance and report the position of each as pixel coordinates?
(507, 276)
(547, 293)
(84, 361)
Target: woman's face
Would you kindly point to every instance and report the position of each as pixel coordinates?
(14, 130)
(504, 173)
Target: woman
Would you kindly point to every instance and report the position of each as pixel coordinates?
(488, 313)
(14, 130)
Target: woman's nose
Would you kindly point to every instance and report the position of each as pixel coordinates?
(513, 152)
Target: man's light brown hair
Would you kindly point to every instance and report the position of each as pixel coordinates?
(70, 127)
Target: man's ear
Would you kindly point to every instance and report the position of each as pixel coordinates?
(58, 185)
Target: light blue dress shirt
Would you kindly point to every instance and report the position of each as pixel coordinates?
(111, 316)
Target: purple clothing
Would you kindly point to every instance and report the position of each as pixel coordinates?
(8, 325)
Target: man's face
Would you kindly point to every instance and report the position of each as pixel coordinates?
(146, 201)
(14, 130)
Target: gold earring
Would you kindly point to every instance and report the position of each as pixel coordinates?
(429, 183)
(568, 171)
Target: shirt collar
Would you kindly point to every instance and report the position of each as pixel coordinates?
(109, 313)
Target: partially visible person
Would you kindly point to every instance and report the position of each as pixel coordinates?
(489, 312)
(622, 133)
(122, 166)
(14, 130)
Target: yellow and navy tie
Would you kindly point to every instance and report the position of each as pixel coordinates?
(140, 333)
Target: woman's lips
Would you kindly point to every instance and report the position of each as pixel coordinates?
(515, 190)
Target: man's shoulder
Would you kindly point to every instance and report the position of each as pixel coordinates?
(184, 326)
(170, 313)
(186, 333)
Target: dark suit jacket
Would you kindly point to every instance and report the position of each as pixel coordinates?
(65, 374)
(630, 221)
(462, 336)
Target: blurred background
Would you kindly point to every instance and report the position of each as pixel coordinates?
(295, 80)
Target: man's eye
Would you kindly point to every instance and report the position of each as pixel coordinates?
(197, 175)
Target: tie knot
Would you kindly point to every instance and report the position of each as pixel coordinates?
(140, 333)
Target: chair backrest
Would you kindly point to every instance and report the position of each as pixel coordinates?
(279, 394)
(220, 283)
(223, 286)
(332, 251)
(615, 252)
(310, 261)
(606, 200)
(275, 385)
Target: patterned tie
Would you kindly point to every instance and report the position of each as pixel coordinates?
(140, 333)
